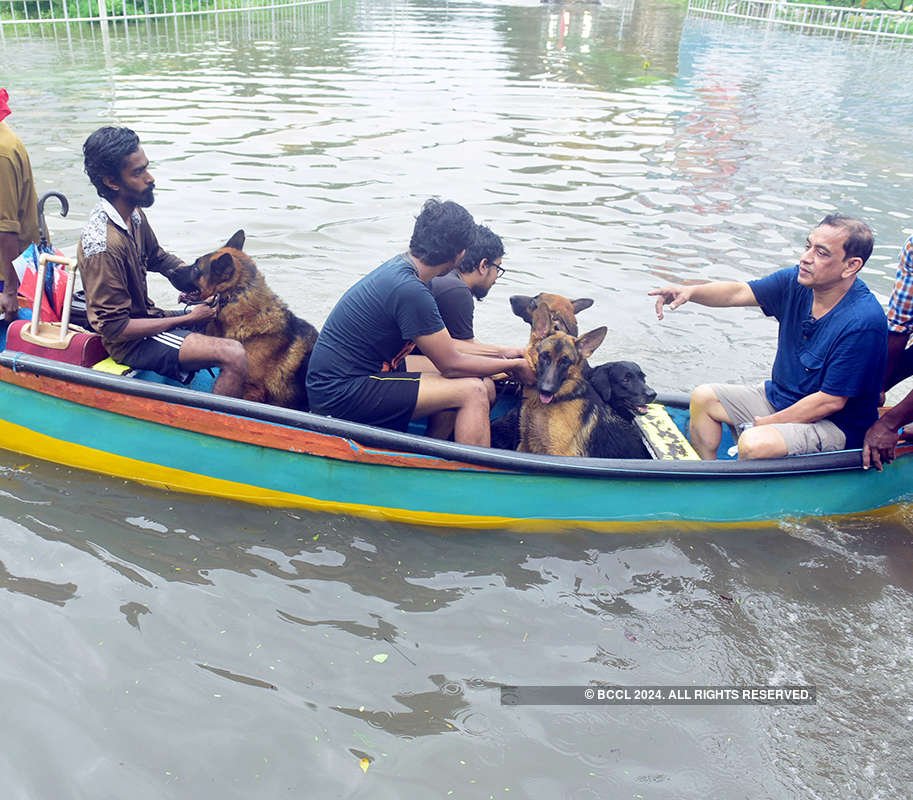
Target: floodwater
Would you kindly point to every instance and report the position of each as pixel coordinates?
(164, 646)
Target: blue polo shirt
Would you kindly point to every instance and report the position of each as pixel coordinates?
(842, 353)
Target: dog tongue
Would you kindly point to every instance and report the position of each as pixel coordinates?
(545, 397)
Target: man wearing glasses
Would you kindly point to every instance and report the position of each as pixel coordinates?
(455, 294)
(456, 291)
(356, 368)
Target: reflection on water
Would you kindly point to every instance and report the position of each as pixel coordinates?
(174, 647)
(276, 648)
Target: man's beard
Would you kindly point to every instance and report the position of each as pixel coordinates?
(479, 292)
(143, 199)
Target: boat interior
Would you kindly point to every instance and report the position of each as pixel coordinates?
(664, 426)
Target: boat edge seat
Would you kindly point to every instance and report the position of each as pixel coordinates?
(110, 366)
(662, 436)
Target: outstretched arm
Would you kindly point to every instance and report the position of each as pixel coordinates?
(452, 363)
(477, 348)
(718, 294)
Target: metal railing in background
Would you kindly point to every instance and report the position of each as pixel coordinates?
(25, 12)
(823, 19)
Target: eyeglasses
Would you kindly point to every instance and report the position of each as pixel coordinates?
(500, 270)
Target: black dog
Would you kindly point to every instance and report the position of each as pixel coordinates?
(623, 386)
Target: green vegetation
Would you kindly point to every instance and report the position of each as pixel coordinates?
(49, 9)
(831, 14)
(872, 5)
(863, 22)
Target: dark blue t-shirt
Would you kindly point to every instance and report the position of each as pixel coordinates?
(369, 325)
(842, 353)
(455, 304)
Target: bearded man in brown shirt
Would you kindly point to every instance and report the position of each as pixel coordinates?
(116, 249)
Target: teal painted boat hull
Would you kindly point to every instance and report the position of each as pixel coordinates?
(186, 440)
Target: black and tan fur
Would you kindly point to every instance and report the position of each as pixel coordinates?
(278, 344)
(563, 312)
(560, 414)
(563, 415)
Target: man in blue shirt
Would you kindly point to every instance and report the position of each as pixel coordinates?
(824, 387)
(356, 368)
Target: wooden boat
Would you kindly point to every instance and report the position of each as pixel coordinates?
(187, 440)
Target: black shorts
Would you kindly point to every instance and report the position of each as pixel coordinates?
(159, 353)
(386, 400)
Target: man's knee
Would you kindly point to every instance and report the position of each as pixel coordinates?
(703, 397)
(227, 353)
(479, 391)
(200, 351)
(762, 441)
(234, 355)
(706, 403)
(472, 393)
(490, 390)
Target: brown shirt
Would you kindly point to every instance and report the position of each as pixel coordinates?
(18, 201)
(113, 265)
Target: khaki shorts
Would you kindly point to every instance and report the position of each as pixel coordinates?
(744, 403)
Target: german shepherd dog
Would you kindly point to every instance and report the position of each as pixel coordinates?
(505, 432)
(563, 311)
(563, 414)
(278, 344)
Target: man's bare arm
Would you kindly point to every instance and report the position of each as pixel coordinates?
(718, 294)
(452, 363)
(140, 328)
(474, 347)
(811, 408)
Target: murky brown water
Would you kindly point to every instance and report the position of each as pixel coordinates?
(159, 646)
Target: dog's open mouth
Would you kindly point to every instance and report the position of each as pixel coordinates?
(546, 397)
(189, 297)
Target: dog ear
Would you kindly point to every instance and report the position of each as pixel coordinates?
(581, 304)
(588, 343)
(236, 241)
(602, 382)
(521, 305)
(221, 268)
(541, 322)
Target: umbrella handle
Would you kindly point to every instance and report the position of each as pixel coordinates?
(42, 225)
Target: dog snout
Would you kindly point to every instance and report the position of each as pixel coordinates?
(185, 278)
(547, 378)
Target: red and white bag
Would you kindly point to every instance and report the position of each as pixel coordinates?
(56, 278)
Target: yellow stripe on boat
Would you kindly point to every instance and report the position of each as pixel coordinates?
(37, 445)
